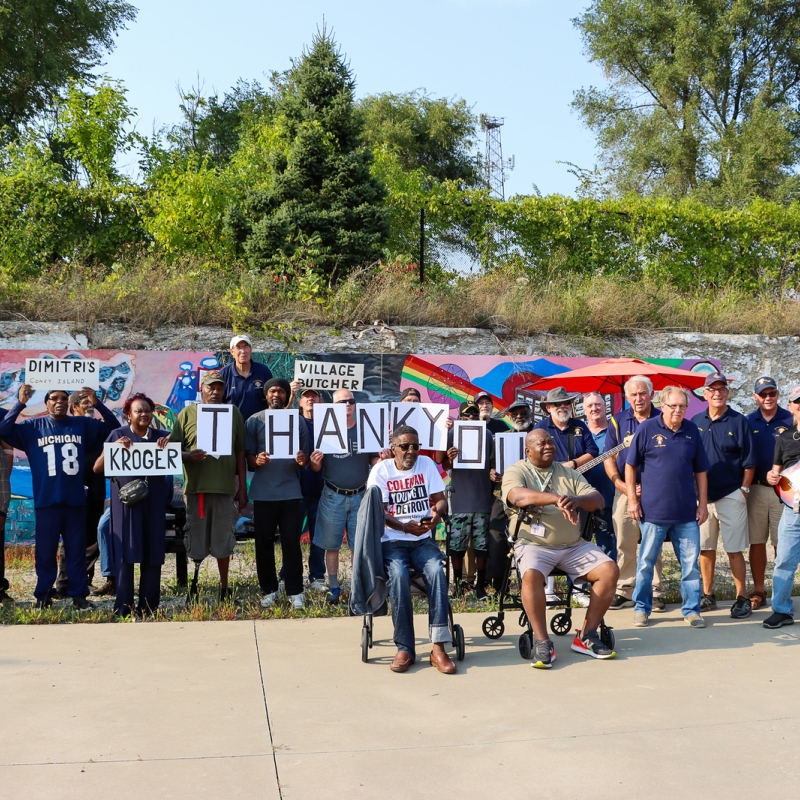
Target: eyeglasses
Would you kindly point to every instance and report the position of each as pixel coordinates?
(349, 401)
(723, 390)
(676, 407)
(413, 445)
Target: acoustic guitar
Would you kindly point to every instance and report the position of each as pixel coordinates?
(789, 487)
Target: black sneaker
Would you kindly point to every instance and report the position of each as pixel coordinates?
(481, 593)
(620, 601)
(544, 654)
(226, 594)
(778, 620)
(46, 603)
(742, 608)
(708, 602)
(659, 606)
(81, 604)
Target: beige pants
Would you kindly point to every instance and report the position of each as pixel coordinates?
(627, 533)
(764, 510)
(727, 517)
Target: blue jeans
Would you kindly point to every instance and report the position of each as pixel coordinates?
(786, 560)
(316, 555)
(686, 543)
(426, 559)
(105, 544)
(335, 514)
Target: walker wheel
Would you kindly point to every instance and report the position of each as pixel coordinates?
(458, 641)
(560, 624)
(525, 645)
(368, 625)
(607, 636)
(364, 644)
(493, 627)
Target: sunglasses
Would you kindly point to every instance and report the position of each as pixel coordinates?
(349, 402)
(562, 404)
(768, 394)
(414, 446)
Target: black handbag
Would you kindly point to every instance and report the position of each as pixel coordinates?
(134, 492)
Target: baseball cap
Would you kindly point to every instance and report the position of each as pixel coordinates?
(468, 405)
(240, 338)
(764, 382)
(715, 377)
(794, 394)
(214, 376)
(309, 390)
(519, 404)
(410, 390)
(479, 395)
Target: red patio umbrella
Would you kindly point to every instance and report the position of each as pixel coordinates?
(609, 376)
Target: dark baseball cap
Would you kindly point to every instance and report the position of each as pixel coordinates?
(468, 405)
(519, 404)
(764, 382)
(715, 377)
(410, 390)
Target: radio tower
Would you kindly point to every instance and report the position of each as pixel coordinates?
(494, 168)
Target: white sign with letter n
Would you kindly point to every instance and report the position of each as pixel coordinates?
(62, 373)
(215, 429)
(470, 439)
(372, 420)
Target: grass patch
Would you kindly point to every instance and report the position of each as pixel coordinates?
(148, 294)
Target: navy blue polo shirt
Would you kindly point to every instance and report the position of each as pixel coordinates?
(667, 461)
(583, 442)
(247, 394)
(764, 437)
(623, 424)
(728, 441)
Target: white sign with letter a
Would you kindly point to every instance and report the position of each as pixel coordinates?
(282, 433)
(330, 428)
(62, 373)
(215, 429)
(470, 439)
(509, 448)
(141, 459)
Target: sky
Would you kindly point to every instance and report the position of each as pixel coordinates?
(516, 59)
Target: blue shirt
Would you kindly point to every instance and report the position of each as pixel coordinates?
(623, 424)
(57, 451)
(764, 436)
(247, 394)
(583, 442)
(667, 461)
(597, 476)
(728, 442)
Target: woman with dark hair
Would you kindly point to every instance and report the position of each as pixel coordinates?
(139, 530)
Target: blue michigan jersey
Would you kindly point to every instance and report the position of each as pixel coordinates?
(57, 451)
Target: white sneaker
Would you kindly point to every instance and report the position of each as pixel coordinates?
(317, 585)
(552, 598)
(269, 599)
(580, 599)
(298, 600)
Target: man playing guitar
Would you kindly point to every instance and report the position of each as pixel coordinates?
(785, 476)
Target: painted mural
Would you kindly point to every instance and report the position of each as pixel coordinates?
(172, 380)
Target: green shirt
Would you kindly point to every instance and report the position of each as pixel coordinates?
(211, 475)
(559, 532)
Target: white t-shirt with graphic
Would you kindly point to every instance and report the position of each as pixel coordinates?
(407, 493)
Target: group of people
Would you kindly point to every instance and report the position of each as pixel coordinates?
(668, 478)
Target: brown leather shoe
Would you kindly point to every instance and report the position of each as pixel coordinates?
(108, 588)
(401, 661)
(442, 662)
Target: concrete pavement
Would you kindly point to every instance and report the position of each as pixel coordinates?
(285, 709)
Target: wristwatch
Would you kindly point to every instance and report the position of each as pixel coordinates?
(745, 489)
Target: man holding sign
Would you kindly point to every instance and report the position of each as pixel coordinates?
(277, 448)
(345, 475)
(471, 495)
(57, 446)
(210, 480)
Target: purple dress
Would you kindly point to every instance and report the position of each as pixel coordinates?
(139, 531)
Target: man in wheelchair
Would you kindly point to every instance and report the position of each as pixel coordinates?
(549, 496)
(414, 500)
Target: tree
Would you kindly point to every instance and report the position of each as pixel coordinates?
(321, 184)
(436, 135)
(45, 43)
(702, 100)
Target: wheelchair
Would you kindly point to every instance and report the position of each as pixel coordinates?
(494, 626)
(418, 588)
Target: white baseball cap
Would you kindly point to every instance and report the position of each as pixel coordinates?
(240, 338)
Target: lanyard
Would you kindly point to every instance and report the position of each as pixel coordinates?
(541, 484)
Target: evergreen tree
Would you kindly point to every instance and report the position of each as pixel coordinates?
(321, 185)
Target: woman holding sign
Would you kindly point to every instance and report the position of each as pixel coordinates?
(138, 530)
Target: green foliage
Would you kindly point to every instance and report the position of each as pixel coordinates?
(46, 43)
(321, 182)
(703, 98)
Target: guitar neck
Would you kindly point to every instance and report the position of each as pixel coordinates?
(601, 458)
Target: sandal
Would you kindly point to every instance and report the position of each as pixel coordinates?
(757, 600)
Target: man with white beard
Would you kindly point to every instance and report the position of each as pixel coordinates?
(485, 404)
(521, 418)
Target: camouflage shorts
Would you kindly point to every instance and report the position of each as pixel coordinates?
(462, 526)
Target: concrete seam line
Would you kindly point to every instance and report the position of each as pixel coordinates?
(98, 761)
(266, 711)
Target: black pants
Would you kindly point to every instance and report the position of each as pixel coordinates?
(497, 545)
(268, 517)
(149, 589)
(94, 510)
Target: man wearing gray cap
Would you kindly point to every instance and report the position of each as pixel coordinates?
(485, 404)
(764, 508)
(244, 378)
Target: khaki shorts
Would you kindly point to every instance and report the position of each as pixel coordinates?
(213, 533)
(764, 510)
(727, 516)
(577, 561)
